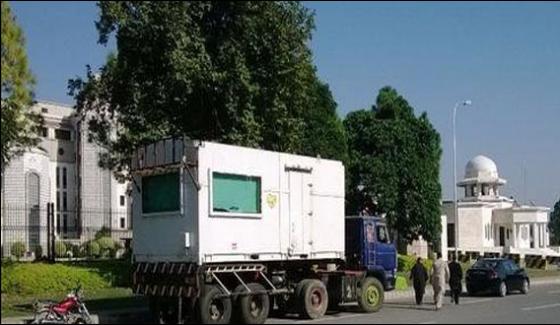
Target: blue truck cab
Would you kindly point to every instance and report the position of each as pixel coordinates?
(369, 248)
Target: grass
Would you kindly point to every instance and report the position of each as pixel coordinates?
(105, 284)
(538, 273)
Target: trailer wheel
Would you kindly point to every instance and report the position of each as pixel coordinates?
(313, 297)
(213, 308)
(253, 308)
(370, 295)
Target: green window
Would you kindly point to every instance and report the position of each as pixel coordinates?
(160, 193)
(236, 193)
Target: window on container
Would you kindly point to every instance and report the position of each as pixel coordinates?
(236, 193)
(160, 193)
(61, 134)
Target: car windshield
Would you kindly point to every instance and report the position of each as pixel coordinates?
(485, 264)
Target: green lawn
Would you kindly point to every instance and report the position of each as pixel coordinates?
(105, 284)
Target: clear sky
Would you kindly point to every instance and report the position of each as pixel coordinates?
(505, 57)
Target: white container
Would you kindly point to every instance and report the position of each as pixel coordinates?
(235, 204)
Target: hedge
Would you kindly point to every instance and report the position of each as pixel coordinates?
(406, 262)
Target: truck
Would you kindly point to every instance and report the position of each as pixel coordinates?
(224, 233)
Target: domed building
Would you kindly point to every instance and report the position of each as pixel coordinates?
(489, 223)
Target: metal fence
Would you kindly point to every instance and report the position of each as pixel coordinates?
(31, 232)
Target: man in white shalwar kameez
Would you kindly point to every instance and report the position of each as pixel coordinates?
(440, 275)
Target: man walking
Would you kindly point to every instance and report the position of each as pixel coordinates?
(440, 275)
(419, 277)
(455, 278)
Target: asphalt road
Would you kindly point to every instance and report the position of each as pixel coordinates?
(540, 306)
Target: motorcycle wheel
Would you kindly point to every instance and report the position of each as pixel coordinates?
(40, 317)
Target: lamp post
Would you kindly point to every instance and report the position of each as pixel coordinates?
(455, 205)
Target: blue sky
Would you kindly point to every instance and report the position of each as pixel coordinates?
(505, 57)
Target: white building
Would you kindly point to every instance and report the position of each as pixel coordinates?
(63, 170)
(491, 223)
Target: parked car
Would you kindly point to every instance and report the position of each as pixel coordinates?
(496, 275)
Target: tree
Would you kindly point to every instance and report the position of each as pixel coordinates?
(20, 126)
(554, 224)
(393, 166)
(233, 72)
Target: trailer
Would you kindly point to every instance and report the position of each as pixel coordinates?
(225, 233)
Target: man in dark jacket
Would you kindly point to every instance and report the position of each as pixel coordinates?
(455, 278)
(419, 277)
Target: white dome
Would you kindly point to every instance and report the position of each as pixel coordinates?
(481, 167)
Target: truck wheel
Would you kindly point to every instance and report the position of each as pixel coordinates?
(370, 295)
(213, 308)
(313, 297)
(254, 308)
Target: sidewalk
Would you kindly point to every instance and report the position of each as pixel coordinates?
(396, 295)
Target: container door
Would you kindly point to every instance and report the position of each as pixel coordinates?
(299, 205)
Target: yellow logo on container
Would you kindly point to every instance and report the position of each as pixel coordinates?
(271, 199)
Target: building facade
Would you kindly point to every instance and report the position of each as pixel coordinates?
(62, 169)
(488, 222)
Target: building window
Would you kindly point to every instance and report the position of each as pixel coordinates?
(57, 201)
(236, 193)
(64, 177)
(122, 223)
(60, 151)
(61, 134)
(57, 177)
(65, 225)
(160, 193)
(44, 110)
(44, 132)
(122, 200)
(64, 201)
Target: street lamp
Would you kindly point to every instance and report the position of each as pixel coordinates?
(457, 105)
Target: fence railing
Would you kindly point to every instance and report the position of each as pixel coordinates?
(31, 232)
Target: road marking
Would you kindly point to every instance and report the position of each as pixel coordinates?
(540, 307)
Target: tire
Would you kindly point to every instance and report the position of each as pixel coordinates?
(502, 289)
(525, 287)
(370, 295)
(213, 309)
(253, 308)
(41, 317)
(313, 298)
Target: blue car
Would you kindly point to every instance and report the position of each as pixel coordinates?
(496, 275)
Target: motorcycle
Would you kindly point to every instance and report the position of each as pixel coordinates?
(70, 310)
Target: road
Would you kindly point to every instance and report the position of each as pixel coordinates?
(540, 306)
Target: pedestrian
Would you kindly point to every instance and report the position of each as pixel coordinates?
(419, 277)
(440, 275)
(455, 278)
